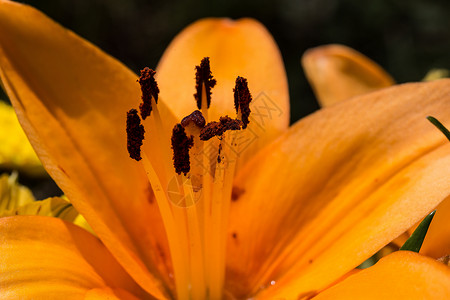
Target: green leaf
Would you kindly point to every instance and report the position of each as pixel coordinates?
(416, 239)
(439, 126)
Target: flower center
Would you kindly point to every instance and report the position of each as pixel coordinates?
(192, 185)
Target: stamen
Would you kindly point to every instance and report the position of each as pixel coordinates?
(135, 134)
(171, 225)
(242, 99)
(204, 77)
(181, 144)
(213, 129)
(196, 118)
(196, 225)
(149, 89)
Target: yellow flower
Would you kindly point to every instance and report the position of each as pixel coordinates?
(16, 199)
(307, 204)
(12, 195)
(16, 152)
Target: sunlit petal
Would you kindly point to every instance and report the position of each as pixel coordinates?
(348, 179)
(71, 99)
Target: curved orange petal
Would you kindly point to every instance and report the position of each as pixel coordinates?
(337, 72)
(44, 257)
(72, 99)
(368, 227)
(401, 275)
(236, 48)
(341, 184)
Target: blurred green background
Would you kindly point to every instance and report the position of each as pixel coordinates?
(406, 37)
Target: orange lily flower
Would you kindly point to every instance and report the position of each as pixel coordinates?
(297, 208)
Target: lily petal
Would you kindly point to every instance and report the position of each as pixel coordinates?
(401, 275)
(43, 257)
(71, 100)
(377, 162)
(337, 72)
(236, 48)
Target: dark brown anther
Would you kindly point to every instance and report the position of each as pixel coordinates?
(218, 128)
(149, 89)
(203, 76)
(242, 99)
(195, 118)
(135, 134)
(181, 144)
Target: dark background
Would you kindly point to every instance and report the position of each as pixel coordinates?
(407, 38)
